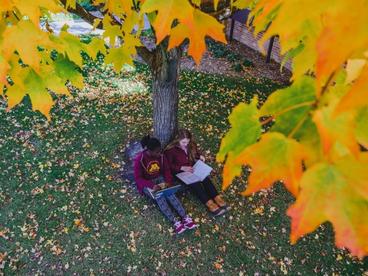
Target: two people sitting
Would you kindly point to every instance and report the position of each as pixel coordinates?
(152, 168)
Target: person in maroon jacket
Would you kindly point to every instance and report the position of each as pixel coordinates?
(151, 170)
(182, 153)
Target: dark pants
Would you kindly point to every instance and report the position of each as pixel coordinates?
(204, 190)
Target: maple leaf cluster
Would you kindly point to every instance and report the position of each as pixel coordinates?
(28, 64)
(317, 143)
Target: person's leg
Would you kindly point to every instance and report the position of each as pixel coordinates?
(176, 204)
(213, 193)
(204, 197)
(167, 212)
(198, 190)
(210, 188)
(163, 206)
(165, 209)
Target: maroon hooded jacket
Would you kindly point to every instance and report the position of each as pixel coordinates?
(177, 158)
(147, 168)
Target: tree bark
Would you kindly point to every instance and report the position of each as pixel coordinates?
(165, 96)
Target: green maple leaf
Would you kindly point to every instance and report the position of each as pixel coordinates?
(361, 131)
(291, 105)
(245, 130)
(291, 108)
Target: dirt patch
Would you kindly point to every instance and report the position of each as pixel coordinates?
(223, 66)
(260, 68)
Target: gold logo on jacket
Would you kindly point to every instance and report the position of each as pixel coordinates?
(153, 167)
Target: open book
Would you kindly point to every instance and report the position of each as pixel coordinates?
(166, 191)
(200, 171)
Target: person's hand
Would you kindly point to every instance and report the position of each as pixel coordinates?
(156, 188)
(187, 169)
(162, 185)
(201, 157)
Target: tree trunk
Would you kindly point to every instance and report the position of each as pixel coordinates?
(165, 74)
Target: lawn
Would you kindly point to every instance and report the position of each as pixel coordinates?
(64, 208)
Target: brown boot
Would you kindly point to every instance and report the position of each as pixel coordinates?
(214, 208)
(220, 202)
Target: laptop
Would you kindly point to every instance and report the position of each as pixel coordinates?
(163, 192)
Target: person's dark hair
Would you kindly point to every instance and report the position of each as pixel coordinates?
(144, 141)
(150, 143)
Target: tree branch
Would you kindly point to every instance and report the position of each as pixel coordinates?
(207, 6)
(82, 13)
(89, 17)
(145, 54)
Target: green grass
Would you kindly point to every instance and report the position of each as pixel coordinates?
(53, 173)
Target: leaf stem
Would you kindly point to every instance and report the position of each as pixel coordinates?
(299, 124)
(269, 119)
(310, 103)
(324, 88)
(16, 16)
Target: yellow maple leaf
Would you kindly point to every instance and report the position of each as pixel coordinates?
(111, 31)
(241, 4)
(124, 54)
(71, 4)
(32, 9)
(116, 7)
(16, 92)
(168, 11)
(37, 91)
(25, 33)
(70, 45)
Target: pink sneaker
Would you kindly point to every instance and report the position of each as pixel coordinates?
(179, 227)
(188, 223)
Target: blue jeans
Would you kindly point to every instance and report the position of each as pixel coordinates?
(163, 205)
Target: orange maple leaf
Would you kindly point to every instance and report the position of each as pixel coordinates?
(273, 158)
(192, 24)
(4, 68)
(358, 94)
(336, 193)
(347, 30)
(168, 11)
(196, 28)
(336, 130)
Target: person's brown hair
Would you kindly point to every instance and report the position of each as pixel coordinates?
(192, 146)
